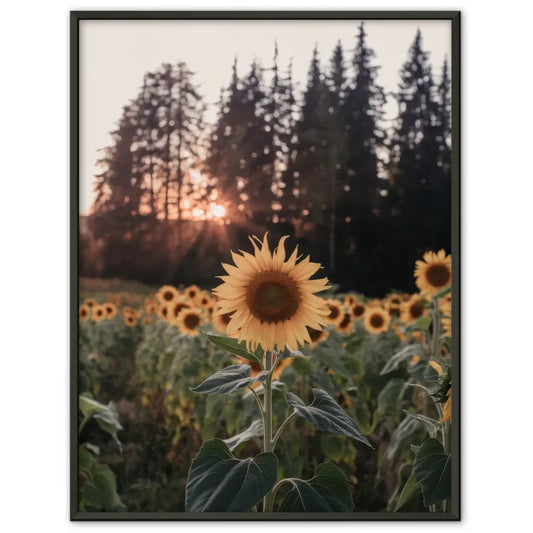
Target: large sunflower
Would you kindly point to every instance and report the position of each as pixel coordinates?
(434, 273)
(272, 300)
(188, 321)
(167, 294)
(377, 320)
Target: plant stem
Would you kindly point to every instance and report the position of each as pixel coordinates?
(268, 501)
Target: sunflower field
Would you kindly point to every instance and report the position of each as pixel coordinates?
(345, 396)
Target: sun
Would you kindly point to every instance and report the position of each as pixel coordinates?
(217, 210)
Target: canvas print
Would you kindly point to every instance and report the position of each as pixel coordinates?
(264, 254)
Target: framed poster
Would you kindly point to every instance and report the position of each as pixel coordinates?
(265, 219)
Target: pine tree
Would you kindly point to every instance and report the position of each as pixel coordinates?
(363, 110)
(414, 169)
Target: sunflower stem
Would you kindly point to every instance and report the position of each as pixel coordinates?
(268, 501)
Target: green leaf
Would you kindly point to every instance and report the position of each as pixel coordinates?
(327, 491)
(219, 482)
(229, 379)
(423, 323)
(255, 429)
(403, 433)
(400, 356)
(101, 491)
(389, 398)
(409, 490)
(433, 471)
(430, 424)
(325, 414)
(442, 292)
(105, 415)
(233, 346)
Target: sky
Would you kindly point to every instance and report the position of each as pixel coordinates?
(115, 55)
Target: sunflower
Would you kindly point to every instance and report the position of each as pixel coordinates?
(167, 294)
(130, 320)
(377, 320)
(350, 299)
(176, 307)
(111, 310)
(204, 300)
(98, 313)
(317, 335)
(413, 309)
(163, 312)
(394, 300)
(90, 302)
(346, 324)
(358, 310)
(84, 312)
(188, 321)
(336, 314)
(272, 300)
(434, 273)
(220, 322)
(192, 292)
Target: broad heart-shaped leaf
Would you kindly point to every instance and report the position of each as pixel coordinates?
(233, 346)
(229, 380)
(433, 471)
(327, 491)
(106, 416)
(219, 482)
(255, 429)
(325, 414)
(400, 356)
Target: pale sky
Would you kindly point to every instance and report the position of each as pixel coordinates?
(115, 55)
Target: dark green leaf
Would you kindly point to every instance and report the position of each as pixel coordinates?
(327, 491)
(400, 356)
(233, 346)
(229, 380)
(219, 482)
(325, 414)
(390, 397)
(409, 490)
(423, 323)
(106, 416)
(433, 471)
(255, 429)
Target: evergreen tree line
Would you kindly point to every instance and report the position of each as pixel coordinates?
(364, 198)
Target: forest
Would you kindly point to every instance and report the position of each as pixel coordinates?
(363, 195)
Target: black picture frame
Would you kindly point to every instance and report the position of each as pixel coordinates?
(455, 18)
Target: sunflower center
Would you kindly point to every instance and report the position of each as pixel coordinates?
(376, 321)
(438, 275)
(394, 312)
(272, 297)
(345, 320)
(191, 321)
(416, 310)
(179, 306)
(168, 296)
(333, 312)
(358, 310)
